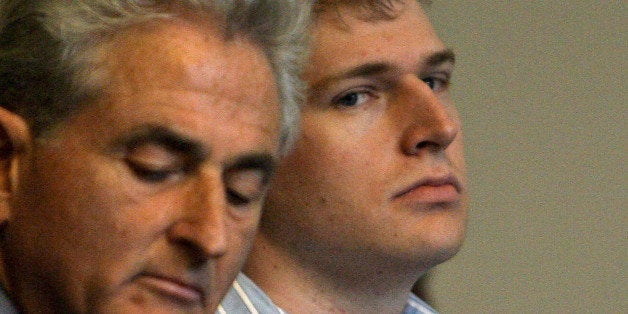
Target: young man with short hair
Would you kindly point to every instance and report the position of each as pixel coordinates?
(374, 193)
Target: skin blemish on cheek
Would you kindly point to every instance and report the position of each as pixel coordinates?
(322, 201)
(138, 298)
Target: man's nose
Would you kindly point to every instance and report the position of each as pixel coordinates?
(202, 228)
(431, 123)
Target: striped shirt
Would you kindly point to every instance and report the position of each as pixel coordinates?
(6, 306)
(245, 297)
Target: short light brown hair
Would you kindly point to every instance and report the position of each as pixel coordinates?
(366, 9)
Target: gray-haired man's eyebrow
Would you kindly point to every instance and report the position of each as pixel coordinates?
(165, 137)
(265, 163)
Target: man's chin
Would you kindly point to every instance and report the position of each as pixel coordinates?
(141, 300)
(442, 251)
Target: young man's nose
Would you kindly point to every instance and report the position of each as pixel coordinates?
(431, 124)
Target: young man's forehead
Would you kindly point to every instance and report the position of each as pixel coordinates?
(365, 9)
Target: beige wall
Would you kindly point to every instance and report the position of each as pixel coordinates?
(541, 88)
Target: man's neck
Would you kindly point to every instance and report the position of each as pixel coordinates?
(326, 285)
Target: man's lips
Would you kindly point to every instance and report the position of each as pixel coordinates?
(444, 189)
(178, 290)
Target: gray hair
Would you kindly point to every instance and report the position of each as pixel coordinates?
(47, 49)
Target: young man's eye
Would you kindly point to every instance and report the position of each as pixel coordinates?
(352, 99)
(436, 83)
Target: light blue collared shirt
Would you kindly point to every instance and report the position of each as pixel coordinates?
(245, 297)
(6, 306)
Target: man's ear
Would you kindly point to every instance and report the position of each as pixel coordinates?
(14, 139)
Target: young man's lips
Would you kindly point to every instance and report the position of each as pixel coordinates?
(173, 288)
(432, 190)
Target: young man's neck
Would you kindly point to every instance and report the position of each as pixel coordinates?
(326, 285)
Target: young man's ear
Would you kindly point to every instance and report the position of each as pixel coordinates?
(14, 139)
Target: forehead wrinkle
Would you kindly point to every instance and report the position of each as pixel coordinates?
(189, 58)
(145, 53)
(182, 68)
(329, 40)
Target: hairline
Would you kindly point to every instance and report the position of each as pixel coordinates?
(368, 10)
(69, 38)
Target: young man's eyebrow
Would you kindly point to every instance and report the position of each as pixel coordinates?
(440, 57)
(363, 70)
(163, 136)
(379, 68)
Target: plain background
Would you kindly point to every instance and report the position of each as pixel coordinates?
(541, 89)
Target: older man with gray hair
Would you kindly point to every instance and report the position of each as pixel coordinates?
(137, 140)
